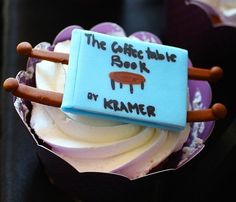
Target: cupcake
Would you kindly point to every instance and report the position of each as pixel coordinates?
(83, 154)
(225, 10)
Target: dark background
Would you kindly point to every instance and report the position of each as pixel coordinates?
(209, 176)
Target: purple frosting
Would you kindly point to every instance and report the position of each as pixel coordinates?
(65, 34)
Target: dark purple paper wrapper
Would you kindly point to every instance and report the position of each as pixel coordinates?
(103, 186)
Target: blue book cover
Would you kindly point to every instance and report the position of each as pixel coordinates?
(126, 80)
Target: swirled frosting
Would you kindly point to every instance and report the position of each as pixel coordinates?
(96, 145)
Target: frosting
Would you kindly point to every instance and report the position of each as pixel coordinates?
(126, 80)
(91, 144)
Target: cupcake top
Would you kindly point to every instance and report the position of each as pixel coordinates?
(91, 144)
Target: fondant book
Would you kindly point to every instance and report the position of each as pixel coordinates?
(126, 80)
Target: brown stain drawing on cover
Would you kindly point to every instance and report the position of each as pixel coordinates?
(126, 78)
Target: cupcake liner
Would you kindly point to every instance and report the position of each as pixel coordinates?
(81, 185)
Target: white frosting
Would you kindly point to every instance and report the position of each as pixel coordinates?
(98, 145)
